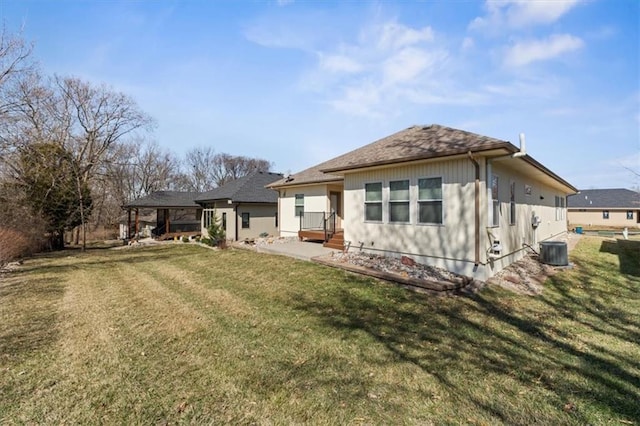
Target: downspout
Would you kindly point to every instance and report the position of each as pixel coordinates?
(477, 211)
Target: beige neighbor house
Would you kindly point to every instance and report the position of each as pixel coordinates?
(245, 207)
(606, 208)
(445, 197)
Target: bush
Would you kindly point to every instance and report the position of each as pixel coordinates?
(185, 239)
(13, 245)
(264, 235)
(217, 236)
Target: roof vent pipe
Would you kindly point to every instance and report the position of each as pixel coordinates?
(523, 148)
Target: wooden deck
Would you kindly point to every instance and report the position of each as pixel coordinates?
(173, 235)
(335, 242)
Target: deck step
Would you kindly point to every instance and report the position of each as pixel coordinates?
(336, 242)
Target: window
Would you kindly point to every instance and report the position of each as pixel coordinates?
(430, 200)
(373, 201)
(605, 214)
(299, 205)
(224, 221)
(560, 204)
(629, 214)
(512, 203)
(276, 219)
(245, 220)
(399, 201)
(495, 207)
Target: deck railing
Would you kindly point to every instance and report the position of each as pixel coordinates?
(319, 221)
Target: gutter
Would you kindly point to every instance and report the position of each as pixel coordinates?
(477, 210)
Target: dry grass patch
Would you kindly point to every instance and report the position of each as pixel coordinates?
(181, 334)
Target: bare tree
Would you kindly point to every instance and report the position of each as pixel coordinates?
(204, 170)
(99, 118)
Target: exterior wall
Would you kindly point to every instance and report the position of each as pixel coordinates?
(451, 245)
(593, 217)
(532, 199)
(262, 218)
(316, 199)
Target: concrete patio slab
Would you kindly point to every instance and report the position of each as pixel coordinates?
(302, 250)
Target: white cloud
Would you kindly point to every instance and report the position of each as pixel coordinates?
(468, 43)
(526, 52)
(393, 35)
(406, 65)
(339, 63)
(285, 2)
(521, 13)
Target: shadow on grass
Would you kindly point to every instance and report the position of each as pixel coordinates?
(628, 252)
(499, 340)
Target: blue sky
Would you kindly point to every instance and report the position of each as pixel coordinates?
(298, 82)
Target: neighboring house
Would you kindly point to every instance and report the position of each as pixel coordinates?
(446, 197)
(604, 207)
(245, 207)
(176, 213)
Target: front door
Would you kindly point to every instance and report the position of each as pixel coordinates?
(335, 206)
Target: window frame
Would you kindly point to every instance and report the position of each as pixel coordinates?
(512, 203)
(298, 208)
(248, 220)
(422, 201)
(406, 201)
(376, 202)
(605, 214)
(629, 214)
(495, 201)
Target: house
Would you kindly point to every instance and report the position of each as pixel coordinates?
(245, 207)
(446, 197)
(176, 213)
(617, 208)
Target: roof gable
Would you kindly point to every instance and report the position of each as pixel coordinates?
(599, 198)
(247, 189)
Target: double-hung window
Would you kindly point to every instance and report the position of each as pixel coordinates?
(373, 202)
(430, 200)
(560, 204)
(495, 200)
(299, 205)
(399, 201)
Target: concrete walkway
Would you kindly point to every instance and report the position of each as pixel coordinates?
(296, 249)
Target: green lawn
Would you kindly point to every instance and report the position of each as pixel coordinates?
(181, 334)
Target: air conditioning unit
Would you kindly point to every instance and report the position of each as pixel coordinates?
(554, 253)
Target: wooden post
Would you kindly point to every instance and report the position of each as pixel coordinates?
(167, 222)
(137, 222)
(128, 223)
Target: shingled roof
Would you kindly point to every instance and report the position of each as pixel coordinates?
(248, 189)
(604, 198)
(166, 199)
(414, 143)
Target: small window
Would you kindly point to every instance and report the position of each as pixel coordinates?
(245, 220)
(276, 219)
(495, 207)
(224, 221)
(605, 214)
(430, 200)
(399, 201)
(299, 205)
(373, 202)
(512, 203)
(629, 214)
(559, 207)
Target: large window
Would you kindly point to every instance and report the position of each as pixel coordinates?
(399, 201)
(245, 220)
(299, 205)
(430, 200)
(495, 200)
(373, 201)
(512, 203)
